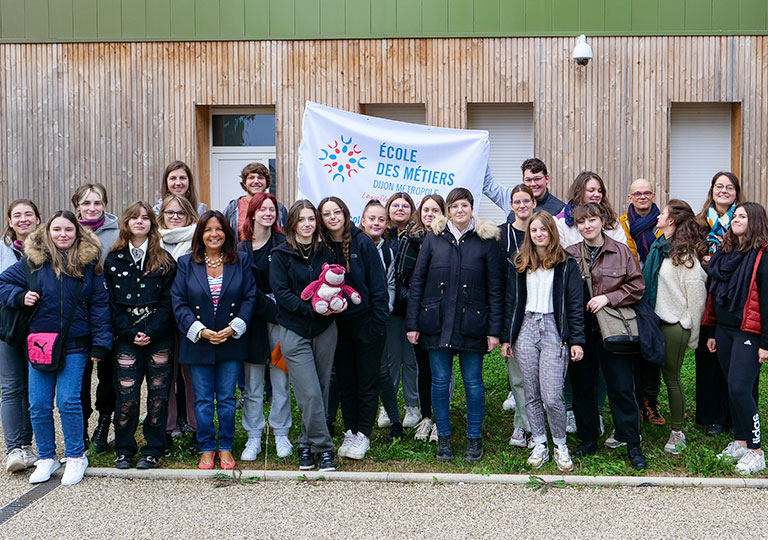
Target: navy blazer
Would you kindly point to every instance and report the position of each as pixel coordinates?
(191, 298)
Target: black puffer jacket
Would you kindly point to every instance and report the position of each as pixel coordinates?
(567, 301)
(456, 295)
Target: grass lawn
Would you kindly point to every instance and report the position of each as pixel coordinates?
(414, 456)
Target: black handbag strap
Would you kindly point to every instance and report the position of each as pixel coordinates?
(71, 315)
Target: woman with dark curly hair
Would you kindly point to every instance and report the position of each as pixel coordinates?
(672, 271)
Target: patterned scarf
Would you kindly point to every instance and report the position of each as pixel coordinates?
(718, 226)
(568, 213)
(642, 230)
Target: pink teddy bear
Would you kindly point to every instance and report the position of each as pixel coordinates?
(327, 290)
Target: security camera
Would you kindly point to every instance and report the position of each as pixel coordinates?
(582, 52)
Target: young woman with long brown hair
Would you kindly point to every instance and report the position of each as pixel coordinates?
(545, 320)
(139, 273)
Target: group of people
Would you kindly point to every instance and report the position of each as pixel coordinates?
(432, 282)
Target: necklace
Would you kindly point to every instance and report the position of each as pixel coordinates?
(305, 250)
(214, 264)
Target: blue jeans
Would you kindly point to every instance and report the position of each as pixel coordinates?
(471, 363)
(14, 399)
(65, 385)
(215, 382)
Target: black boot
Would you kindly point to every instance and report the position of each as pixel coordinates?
(444, 450)
(474, 451)
(395, 431)
(99, 439)
(585, 448)
(636, 457)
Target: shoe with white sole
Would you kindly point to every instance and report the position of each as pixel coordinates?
(384, 420)
(676, 443)
(284, 446)
(751, 462)
(349, 439)
(359, 448)
(252, 449)
(74, 471)
(509, 403)
(539, 456)
(433, 434)
(14, 461)
(518, 438)
(423, 428)
(733, 452)
(44, 468)
(563, 458)
(412, 417)
(570, 422)
(612, 443)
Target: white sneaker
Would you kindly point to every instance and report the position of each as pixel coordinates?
(563, 458)
(284, 446)
(359, 448)
(74, 470)
(412, 416)
(676, 443)
(423, 428)
(349, 440)
(384, 420)
(252, 449)
(539, 456)
(518, 438)
(612, 443)
(751, 462)
(733, 452)
(509, 403)
(433, 434)
(570, 422)
(14, 461)
(43, 470)
(30, 456)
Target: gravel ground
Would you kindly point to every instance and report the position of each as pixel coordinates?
(113, 508)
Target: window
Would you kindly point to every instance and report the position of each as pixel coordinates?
(415, 113)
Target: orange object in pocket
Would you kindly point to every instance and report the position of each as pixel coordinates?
(277, 358)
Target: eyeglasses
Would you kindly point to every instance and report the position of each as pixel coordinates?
(534, 179)
(730, 188)
(335, 213)
(172, 213)
(638, 194)
(403, 206)
(518, 202)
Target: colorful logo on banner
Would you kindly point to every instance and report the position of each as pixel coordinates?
(342, 160)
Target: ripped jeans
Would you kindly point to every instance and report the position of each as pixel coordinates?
(132, 365)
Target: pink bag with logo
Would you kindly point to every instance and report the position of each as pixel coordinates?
(44, 349)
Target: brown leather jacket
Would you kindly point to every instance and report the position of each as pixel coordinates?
(615, 272)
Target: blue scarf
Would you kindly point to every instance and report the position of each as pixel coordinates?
(568, 213)
(642, 230)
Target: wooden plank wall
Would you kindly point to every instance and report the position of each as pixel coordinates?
(116, 113)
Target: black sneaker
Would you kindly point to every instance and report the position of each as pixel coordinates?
(636, 457)
(395, 431)
(474, 451)
(99, 439)
(306, 459)
(168, 450)
(325, 461)
(444, 450)
(148, 462)
(715, 429)
(194, 446)
(585, 448)
(123, 462)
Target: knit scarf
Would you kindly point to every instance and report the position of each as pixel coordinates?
(567, 213)
(93, 224)
(180, 239)
(659, 251)
(641, 229)
(718, 226)
(18, 245)
(731, 273)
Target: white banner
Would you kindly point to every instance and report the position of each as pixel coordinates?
(358, 158)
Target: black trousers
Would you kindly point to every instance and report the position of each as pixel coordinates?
(620, 372)
(737, 353)
(650, 377)
(105, 390)
(357, 362)
(134, 364)
(711, 389)
(424, 381)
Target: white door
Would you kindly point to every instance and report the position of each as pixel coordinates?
(510, 129)
(225, 173)
(699, 146)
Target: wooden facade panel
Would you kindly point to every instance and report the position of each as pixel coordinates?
(116, 113)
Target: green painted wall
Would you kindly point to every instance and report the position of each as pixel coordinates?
(181, 20)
